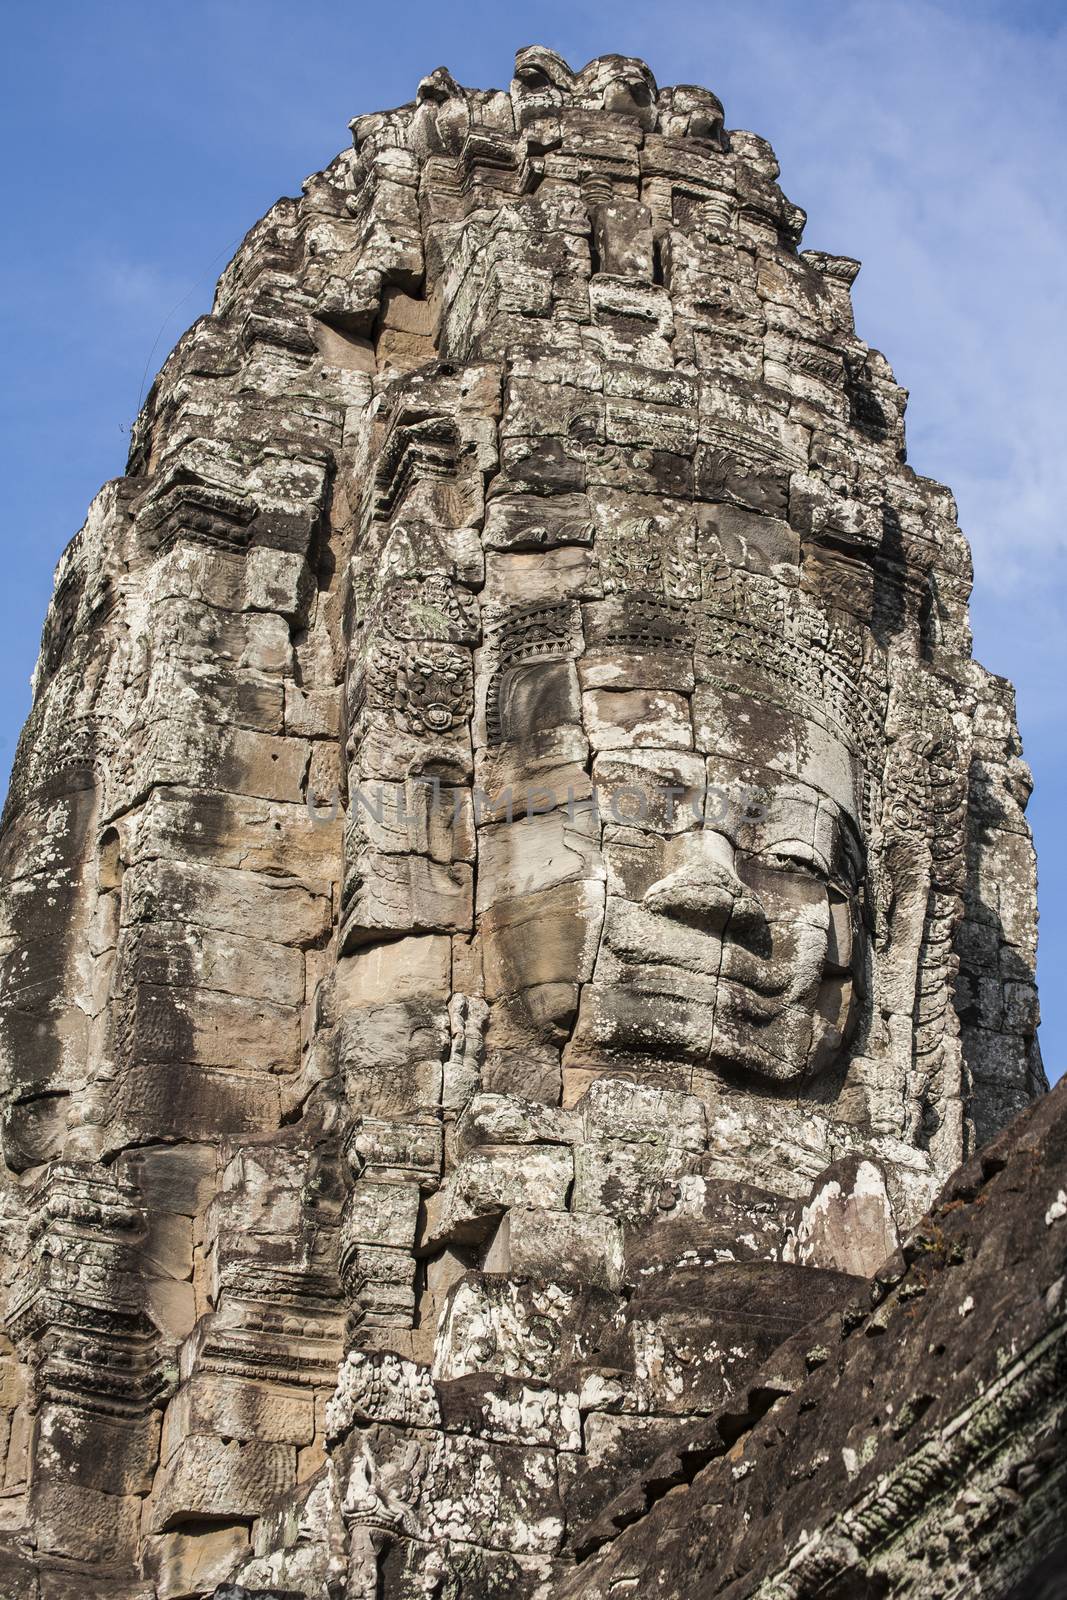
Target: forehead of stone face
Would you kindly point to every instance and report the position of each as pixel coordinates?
(742, 730)
(532, 698)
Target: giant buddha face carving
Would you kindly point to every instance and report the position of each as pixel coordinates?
(743, 951)
(722, 836)
(658, 819)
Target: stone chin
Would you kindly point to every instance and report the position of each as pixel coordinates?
(735, 1029)
(793, 1046)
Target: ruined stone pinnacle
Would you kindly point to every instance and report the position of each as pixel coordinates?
(517, 904)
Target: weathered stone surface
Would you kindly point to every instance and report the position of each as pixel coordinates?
(516, 899)
(912, 1445)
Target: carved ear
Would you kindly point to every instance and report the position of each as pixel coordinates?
(922, 862)
(924, 785)
(537, 67)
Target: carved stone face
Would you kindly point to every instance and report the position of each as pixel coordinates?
(689, 111)
(617, 84)
(727, 853)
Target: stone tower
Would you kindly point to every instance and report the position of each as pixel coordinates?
(515, 884)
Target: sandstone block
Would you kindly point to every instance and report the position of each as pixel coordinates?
(381, 1214)
(188, 1563)
(622, 719)
(212, 1478)
(510, 1503)
(544, 1243)
(491, 1180)
(237, 1408)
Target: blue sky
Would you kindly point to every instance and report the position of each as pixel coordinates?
(926, 139)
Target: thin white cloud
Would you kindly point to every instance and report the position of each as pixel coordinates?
(131, 285)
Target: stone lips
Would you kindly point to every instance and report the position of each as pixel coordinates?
(526, 454)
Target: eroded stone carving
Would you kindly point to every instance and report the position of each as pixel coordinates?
(517, 892)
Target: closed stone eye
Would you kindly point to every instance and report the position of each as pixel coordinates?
(791, 861)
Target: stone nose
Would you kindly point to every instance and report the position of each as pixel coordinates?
(703, 895)
(702, 886)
